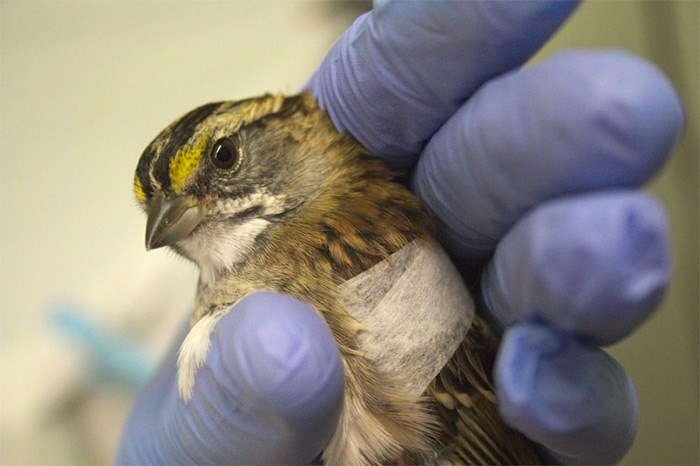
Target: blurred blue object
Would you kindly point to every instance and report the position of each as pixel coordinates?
(113, 359)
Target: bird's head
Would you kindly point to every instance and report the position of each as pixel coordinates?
(219, 176)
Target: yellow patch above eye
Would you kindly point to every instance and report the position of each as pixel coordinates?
(138, 190)
(185, 162)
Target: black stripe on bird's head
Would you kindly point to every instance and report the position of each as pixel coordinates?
(153, 171)
(169, 162)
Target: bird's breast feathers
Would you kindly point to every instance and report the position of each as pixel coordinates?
(414, 311)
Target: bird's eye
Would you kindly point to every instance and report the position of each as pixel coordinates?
(225, 155)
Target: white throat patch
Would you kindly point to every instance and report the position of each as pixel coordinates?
(219, 247)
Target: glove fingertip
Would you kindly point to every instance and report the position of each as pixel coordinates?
(282, 360)
(596, 265)
(285, 350)
(576, 401)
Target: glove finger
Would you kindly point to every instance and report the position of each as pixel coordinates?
(402, 69)
(595, 265)
(574, 400)
(581, 121)
(270, 391)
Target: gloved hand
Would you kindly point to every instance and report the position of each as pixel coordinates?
(538, 165)
(269, 392)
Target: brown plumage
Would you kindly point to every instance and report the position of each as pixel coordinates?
(303, 210)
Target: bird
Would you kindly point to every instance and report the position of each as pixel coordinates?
(264, 194)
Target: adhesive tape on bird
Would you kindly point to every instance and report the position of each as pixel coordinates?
(415, 311)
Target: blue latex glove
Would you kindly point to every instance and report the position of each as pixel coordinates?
(539, 165)
(269, 392)
(525, 167)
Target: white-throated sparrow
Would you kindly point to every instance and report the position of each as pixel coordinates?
(264, 194)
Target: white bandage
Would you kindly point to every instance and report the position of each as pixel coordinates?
(415, 311)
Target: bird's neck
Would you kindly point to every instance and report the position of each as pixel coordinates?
(356, 220)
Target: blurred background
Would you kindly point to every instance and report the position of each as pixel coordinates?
(85, 312)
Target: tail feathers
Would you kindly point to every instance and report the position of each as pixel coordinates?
(463, 396)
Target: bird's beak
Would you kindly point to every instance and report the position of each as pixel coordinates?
(171, 219)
